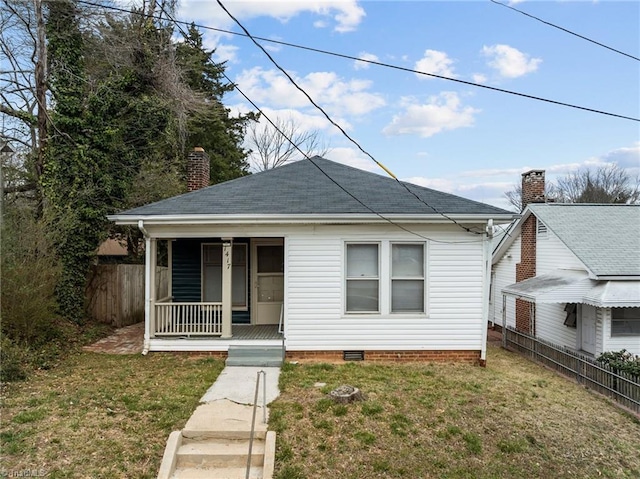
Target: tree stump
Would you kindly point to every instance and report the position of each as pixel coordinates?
(346, 394)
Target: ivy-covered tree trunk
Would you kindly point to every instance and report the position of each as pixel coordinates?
(75, 218)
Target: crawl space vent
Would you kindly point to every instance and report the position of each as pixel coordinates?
(353, 355)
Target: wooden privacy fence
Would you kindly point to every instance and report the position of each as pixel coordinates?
(621, 387)
(115, 292)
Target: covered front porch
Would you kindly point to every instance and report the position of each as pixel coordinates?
(222, 291)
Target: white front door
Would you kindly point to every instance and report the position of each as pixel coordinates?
(268, 281)
(588, 329)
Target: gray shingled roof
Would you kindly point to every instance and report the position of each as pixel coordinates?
(606, 238)
(301, 188)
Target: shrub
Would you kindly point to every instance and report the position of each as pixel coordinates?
(29, 276)
(621, 361)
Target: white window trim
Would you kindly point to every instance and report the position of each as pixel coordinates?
(621, 335)
(384, 280)
(346, 279)
(246, 273)
(409, 278)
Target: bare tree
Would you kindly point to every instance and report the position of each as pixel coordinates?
(605, 184)
(514, 196)
(272, 147)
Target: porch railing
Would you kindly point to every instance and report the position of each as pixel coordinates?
(187, 319)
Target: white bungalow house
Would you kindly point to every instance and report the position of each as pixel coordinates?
(570, 273)
(328, 260)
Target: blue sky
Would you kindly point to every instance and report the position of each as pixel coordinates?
(437, 133)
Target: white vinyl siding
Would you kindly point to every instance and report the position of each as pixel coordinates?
(504, 273)
(553, 254)
(550, 325)
(315, 277)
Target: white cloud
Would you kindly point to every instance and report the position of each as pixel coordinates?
(479, 78)
(226, 53)
(440, 184)
(304, 121)
(339, 96)
(441, 113)
(435, 62)
(346, 15)
(510, 62)
(358, 65)
(353, 157)
(624, 157)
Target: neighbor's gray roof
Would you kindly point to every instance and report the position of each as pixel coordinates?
(606, 238)
(301, 188)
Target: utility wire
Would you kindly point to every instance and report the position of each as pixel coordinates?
(390, 221)
(564, 29)
(381, 64)
(326, 115)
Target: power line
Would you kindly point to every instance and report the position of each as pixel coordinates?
(380, 215)
(564, 29)
(381, 64)
(326, 115)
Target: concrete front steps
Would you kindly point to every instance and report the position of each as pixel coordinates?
(215, 445)
(258, 356)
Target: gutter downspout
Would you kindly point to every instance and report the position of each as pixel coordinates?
(486, 256)
(147, 288)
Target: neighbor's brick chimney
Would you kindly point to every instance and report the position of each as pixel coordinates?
(197, 169)
(532, 192)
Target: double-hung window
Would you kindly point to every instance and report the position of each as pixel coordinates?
(363, 277)
(407, 278)
(385, 277)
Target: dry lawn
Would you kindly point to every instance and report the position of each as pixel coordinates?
(512, 419)
(100, 416)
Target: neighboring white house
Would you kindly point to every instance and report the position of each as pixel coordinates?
(570, 274)
(339, 260)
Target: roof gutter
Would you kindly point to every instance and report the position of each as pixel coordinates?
(300, 219)
(141, 227)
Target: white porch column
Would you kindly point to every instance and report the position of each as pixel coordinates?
(170, 267)
(227, 261)
(150, 260)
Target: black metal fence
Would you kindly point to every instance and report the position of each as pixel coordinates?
(621, 387)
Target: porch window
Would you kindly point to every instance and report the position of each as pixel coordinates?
(407, 278)
(625, 321)
(363, 282)
(212, 274)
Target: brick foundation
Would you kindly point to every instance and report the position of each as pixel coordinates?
(470, 357)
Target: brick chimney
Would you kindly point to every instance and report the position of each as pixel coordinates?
(197, 169)
(532, 187)
(532, 192)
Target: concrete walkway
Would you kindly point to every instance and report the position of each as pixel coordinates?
(214, 442)
(238, 384)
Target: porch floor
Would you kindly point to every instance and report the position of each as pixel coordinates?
(249, 332)
(129, 340)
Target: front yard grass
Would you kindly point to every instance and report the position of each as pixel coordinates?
(512, 419)
(100, 416)
(108, 416)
